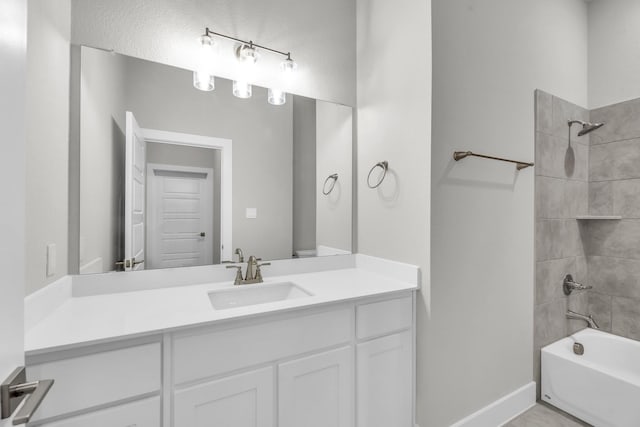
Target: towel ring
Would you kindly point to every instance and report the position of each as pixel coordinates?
(334, 177)
(385, 166)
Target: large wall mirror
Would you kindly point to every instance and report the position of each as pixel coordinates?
(170, 176)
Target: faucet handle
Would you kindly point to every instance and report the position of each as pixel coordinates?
(238, 279)
(259, 273)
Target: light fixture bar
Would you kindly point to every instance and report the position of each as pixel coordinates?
(208, 32)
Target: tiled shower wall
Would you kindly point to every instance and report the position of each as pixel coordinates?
(596, 174)
(562, 194)
(613, 246)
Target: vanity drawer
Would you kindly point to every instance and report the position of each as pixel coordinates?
(90, 380)
(143, 413)
(209, 354)
(380, 318)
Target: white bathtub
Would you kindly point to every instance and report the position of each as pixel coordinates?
(602, 387)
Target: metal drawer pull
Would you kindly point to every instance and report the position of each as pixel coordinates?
(15, 389)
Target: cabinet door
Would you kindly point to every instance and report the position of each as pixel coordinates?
(244, 400)
(384, 382)
(317, 391)
(144, 413)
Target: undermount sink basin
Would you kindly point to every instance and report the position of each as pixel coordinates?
(260, 293)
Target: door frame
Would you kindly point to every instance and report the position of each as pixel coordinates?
(226, 176)
(152, 191)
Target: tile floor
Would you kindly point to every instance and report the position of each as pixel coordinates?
(542, 415)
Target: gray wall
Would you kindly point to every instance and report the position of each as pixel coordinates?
(613, 247)
(162, 97)
(561, 196)
(614, 62)
(102, 141)
(333, 154)
(47, 138)
(489, 56)
(304, 173)
(169, 154)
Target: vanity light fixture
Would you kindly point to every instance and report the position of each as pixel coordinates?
(247, 52)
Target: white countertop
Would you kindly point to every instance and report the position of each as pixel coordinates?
(101, 318)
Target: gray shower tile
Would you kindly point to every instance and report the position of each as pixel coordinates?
(555, 158)
(548, 246)
(612, 238)
(550, 322)
(625, 196)
(625, 317)
(600, 309)
(576, 195)
(621, 122)
(601, 198)
(615, 276)
(550, 198)
(563, 111)
(549, 277)
(615, 160)
(543, 111)
(581, 270)
(570, 239)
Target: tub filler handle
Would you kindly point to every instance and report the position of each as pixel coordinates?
(569, 285)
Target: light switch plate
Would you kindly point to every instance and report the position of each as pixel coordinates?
(252, 213)
(51, 259)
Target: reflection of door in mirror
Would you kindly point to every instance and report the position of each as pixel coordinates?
(135, 185)
(180, 206)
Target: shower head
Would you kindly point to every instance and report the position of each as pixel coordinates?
(586, 126)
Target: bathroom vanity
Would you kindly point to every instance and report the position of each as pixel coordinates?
(337, 351)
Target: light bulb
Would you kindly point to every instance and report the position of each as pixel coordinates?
(203, 78)
(247, 54)
(276, 97)
(289, 66)
(241, 89)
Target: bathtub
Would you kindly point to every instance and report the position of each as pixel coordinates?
(601, 387)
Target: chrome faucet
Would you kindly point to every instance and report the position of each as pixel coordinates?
(252, 274)
(587, 318)
(569, 285)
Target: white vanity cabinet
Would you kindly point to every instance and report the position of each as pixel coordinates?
(343, 364)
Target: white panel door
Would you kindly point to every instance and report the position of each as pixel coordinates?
(13, 51)
(384, 385)
(180, 216)
(317, 391)
(134, 212)
(144, 413)
(244, 400)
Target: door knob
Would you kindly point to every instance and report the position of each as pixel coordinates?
(202, 234)
(15, 389)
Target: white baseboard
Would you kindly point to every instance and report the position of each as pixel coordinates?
(502, 410)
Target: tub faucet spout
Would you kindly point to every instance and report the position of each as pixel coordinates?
(587, 318)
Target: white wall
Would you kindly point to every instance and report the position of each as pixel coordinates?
(334, 132)
(614, 51)
(489, 56)
(47, 138)
(13, 56)
(319, 35)
(394, 124)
